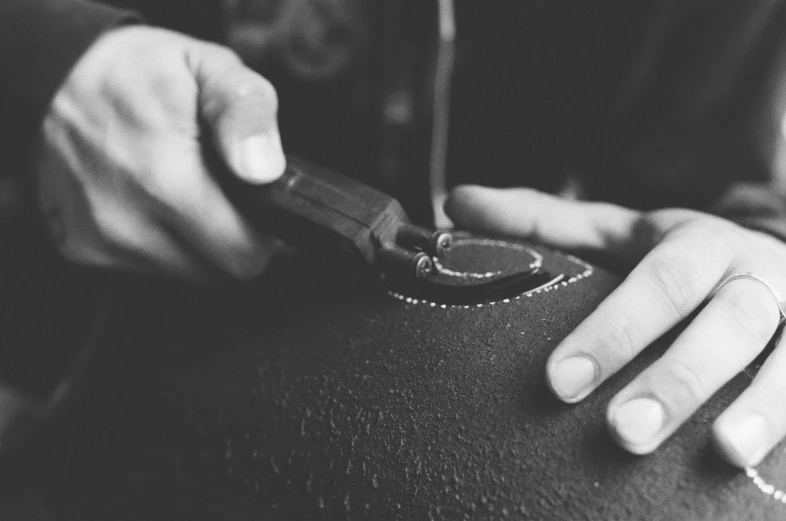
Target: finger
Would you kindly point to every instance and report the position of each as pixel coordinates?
(194, 207)
(147, 246)
(546, 219)
(89, 228)
(668, 284)
(751, 427)
(725, 337)
(111, 238)
(240, 106)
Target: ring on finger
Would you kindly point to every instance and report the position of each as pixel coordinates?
(752, 276)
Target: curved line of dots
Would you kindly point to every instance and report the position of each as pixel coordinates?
(588, 271)
(766, 488)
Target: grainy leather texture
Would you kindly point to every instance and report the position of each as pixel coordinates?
(306, 396)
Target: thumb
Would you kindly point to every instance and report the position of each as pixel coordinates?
(547, 219)
(240, 106)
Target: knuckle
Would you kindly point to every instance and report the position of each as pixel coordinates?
(673, 283)
(240, 90)
(247, 86)
(721, 241)
(620, 341)
(696, 231)
(704, 224)
(689, 381)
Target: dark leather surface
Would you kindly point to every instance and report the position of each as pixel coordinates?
(304, 396)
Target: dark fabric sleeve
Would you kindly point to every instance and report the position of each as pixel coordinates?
(697, 118)
(40, 40)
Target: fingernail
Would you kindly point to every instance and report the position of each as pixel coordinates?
(744, 442)
(637, 422)
(259, 158)
(571, 377)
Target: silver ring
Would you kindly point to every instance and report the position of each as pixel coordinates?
(752, 276)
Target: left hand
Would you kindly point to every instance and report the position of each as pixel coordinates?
(678, 258)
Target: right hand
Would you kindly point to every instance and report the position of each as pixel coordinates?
(122, 180)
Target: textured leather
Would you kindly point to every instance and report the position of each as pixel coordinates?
(306, 396)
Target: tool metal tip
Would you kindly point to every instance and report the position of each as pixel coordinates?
(440, 243)
(423, 265)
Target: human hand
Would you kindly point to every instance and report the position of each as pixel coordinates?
(679, 259)
(122, 180)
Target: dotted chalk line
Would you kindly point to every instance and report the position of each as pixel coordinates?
(770, 490)
(766, 488)
(536, 263)
(588, 271)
